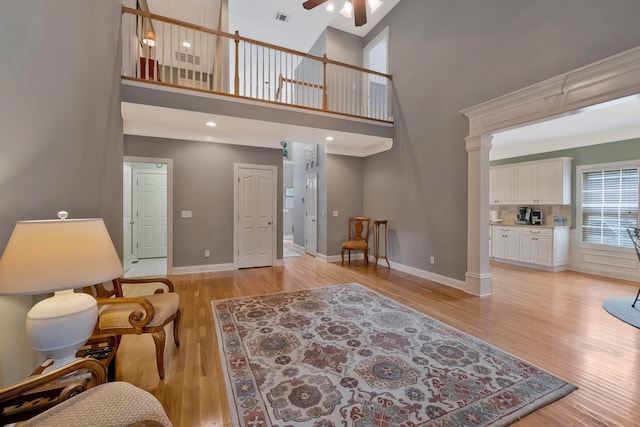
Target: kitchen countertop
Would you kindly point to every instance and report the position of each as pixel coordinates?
(503, 224)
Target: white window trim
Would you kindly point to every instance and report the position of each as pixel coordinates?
(595, 168)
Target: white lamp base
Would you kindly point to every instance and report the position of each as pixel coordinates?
(58, 326)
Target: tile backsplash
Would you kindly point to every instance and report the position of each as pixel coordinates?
(508, 213)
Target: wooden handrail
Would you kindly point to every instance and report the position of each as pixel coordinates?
(282, 79)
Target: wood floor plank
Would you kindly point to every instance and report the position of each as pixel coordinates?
(552, 320)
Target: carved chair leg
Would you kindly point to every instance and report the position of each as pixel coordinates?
(176, 324)
(342, 255)
(366, 257)
(159, 338)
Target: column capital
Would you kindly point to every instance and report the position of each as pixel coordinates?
(478, 142)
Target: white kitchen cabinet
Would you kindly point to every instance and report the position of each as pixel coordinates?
(535, 246)
(504, 243)
(538, 247)
(501, 185)
(544, 182)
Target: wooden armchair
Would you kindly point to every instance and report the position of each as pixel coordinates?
(120, 315)
(358, 237)
(76, 395)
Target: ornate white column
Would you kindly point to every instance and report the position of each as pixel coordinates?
(478, 276)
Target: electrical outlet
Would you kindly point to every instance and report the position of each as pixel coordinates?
(432, 259)
(207, 253)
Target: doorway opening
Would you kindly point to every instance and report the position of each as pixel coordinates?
(147, 217)
(288, 211)
(376, 92)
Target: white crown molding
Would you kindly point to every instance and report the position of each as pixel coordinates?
(602, 81)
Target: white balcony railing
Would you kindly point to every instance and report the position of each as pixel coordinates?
(170, 52)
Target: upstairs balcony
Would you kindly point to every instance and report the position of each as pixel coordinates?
(209, 71)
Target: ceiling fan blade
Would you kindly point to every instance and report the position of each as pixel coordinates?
(310, 4)
(360, 12)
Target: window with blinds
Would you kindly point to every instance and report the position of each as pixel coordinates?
(609, 204)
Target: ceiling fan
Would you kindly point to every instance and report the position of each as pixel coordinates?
(359, 9)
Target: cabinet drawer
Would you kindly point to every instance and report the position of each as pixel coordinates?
(535, 231)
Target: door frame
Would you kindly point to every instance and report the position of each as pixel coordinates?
(313, 176)
(169, 163)
(236, 206)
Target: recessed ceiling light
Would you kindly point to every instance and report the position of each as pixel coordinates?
(211, 124)
(186, 44)
(329, 138)
(331, 7)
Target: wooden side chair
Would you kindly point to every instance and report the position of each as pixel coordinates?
(120, 315)
(358, 237)
(634, 234)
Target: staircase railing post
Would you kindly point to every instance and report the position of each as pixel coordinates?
(236, 80)
(325, 102)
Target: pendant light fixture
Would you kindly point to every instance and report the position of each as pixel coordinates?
(149, 38)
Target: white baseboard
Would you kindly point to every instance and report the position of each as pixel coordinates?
(633, 277)
(207, 268)
(443, 280)
(434, 277)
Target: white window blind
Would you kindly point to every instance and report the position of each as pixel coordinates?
(609, 205)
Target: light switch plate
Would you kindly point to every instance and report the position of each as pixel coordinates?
(187, 214)
(335, 213)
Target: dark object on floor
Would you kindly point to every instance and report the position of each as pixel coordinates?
(622, 309)
(634, 234)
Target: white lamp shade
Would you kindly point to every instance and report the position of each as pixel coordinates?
(48, 256)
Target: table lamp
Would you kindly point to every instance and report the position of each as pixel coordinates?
(59, 256)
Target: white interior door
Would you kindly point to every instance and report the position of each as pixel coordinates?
(152, 214)
(255, 217)
(311, 213)
(127, 217)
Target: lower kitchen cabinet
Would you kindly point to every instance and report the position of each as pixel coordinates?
(539, 247)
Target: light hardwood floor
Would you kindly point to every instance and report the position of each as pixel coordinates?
(553, 320)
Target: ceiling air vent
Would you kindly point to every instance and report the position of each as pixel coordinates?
(282, 17)
(188, 58)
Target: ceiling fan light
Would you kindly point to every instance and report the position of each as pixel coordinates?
(347, 9)
(149, 38)
(374, 5)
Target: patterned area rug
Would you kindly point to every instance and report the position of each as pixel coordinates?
(346, 356)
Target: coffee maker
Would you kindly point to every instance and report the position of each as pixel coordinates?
(536, 217)
(523, 215)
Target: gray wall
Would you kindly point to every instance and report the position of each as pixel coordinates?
(344, 47)
(61, 144)
(345, 187)
(589, 155)
(446, 56)
(203, 184)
